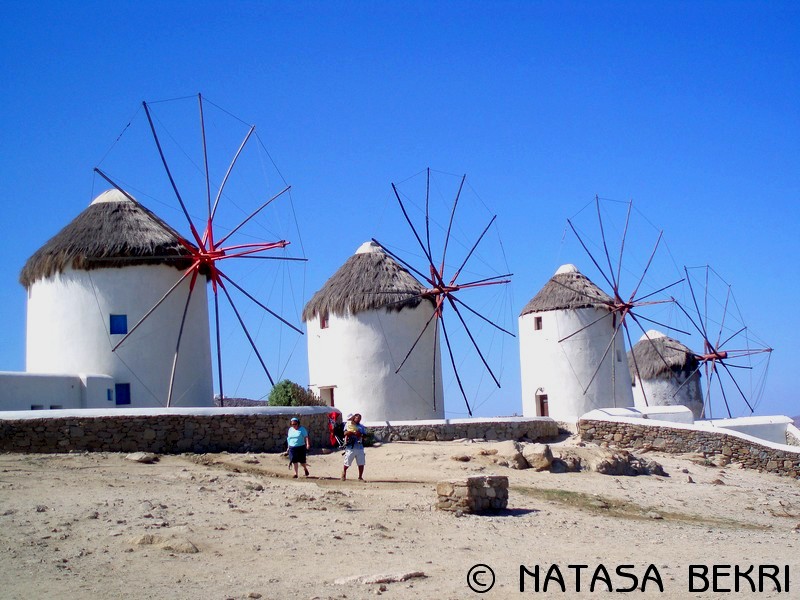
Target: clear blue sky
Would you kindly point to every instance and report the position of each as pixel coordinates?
(688, 108)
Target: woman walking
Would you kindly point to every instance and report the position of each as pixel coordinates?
(298, 443)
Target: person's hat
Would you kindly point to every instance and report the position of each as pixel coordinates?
(349, 416)
(293, 419)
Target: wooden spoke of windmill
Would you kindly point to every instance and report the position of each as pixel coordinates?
(208, 253)
(718, 359)
(621, 307)
(443, 288)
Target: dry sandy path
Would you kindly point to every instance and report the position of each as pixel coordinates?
(237, 526)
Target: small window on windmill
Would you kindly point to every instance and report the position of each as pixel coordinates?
(323, 321)
(123, 393)
(619, 355)
(537, 323)
(326, 395)
(118, 324)
(37, 407)
(109, 395)
(56, 407)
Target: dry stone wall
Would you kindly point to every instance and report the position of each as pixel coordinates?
(163, 434)
(473, 494)
(231, 432)
(750, 454)
(511, 429)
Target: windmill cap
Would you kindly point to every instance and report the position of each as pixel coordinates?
(112, 195)
(567, 268)
(652, 334)
(369, 246)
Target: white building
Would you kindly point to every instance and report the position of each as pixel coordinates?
(665, 373)
(361, 325)
(88, 286)
(564, 332)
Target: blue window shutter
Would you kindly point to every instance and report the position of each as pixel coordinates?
(118, 324)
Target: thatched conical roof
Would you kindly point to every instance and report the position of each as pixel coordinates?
(660, 356)
(368, 280)
(567, 289)
(113, 231)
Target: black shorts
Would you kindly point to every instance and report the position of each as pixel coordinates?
(297, 454)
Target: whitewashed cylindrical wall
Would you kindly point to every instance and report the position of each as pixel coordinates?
(357, 357)
(673, 391)
(68, 331)
(565, 371)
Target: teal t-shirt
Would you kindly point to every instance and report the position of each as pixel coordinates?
(296, 437)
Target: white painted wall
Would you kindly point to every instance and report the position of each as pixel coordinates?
(23, 391)
(68, 331)
(748, 436)
(792, 432)
(671, 414)
(676, 391)
(96, 390)
(563, 370)
(770, 428)
(359, 354)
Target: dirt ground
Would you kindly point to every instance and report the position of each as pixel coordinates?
(238, 526)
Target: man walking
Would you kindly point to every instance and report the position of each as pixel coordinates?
(354, 446)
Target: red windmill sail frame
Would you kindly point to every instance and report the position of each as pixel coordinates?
(716, 358)
(207, 253)
(619, 308)
(443, 291)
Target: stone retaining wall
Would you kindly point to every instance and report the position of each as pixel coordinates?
(163, 434)
(473, 494)
(751, 454)
(513, 428)
(218, 430)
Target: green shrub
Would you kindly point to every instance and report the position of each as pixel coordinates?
(289, 393)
